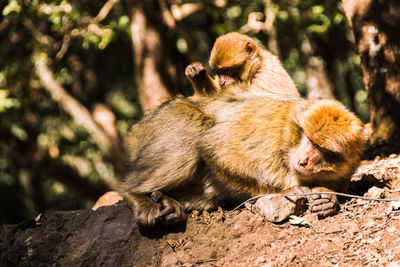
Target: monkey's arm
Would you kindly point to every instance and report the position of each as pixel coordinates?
(201, 81)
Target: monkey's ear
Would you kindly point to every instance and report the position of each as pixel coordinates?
(367, 131)
(251, 47)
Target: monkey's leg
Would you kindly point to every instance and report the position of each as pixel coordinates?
(323, 205)
(156, 209)
(201, 81)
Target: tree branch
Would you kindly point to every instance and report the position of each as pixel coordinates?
(147, 45)
(78, 112)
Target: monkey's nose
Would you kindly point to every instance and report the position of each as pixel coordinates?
(303, 162)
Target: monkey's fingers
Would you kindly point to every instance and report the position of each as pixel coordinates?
(176, 217)
(321, 201)
(300, 190)
(322, 204)
(156, 196)
(194, 70)
(166, 211)
(173, 214)
(324, 207)
(172, 211)
(149, 215)
(325, 212)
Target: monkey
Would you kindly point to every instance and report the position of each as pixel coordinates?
(218, 151)
(236, 58)
(163, 157)
(315, 145)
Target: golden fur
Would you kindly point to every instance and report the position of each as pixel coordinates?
(219, 150)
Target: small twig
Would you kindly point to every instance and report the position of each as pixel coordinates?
(332, 232)
(168, 19)
(105, 10)
(37, 35)
(64, 47)
(204, 261)
(317, 193)
(92, 25)
(179, 12)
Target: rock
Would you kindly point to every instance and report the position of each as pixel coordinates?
(375, 192)
(108, 199)
(108, 236)
(277, 208)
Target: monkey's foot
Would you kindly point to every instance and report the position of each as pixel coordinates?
(171, 211)
(194, 70)
(159, 210)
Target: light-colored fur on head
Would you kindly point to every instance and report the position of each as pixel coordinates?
(330, 125)
(243, 60)
(228, 49)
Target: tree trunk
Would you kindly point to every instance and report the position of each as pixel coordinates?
(152, 46)
(376, 26)
(318, 83)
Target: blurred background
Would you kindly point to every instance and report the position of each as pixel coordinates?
(76, 74)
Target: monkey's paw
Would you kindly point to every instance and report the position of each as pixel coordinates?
(323, 205)
(148, 215)
(161, 210)
(171, 211)
(194, 69)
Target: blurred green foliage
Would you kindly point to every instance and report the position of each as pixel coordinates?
(46, 160)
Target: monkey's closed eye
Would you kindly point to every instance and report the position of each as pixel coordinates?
(329, 155)
(332, 156)
(231, 71)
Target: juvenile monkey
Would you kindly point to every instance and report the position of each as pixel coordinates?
(236, 58)
(183, 159)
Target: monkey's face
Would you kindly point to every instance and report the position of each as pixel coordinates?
(330, 146)
(232, 58)
(310, 161)
(227, 76)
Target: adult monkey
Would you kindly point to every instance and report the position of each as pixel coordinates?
(236, 58)
(205, 152)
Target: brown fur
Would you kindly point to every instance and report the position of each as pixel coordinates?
(242, 142)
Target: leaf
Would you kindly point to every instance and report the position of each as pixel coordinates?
(12, 6)
(395, 205)
(294, 220)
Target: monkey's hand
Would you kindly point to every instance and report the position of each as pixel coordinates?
(323, 205)
(170, 211)
(203, 84)
(195, 69)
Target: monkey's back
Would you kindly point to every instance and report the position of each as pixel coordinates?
(249, 144)
(163, 155)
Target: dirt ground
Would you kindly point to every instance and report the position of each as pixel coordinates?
(364, 233)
